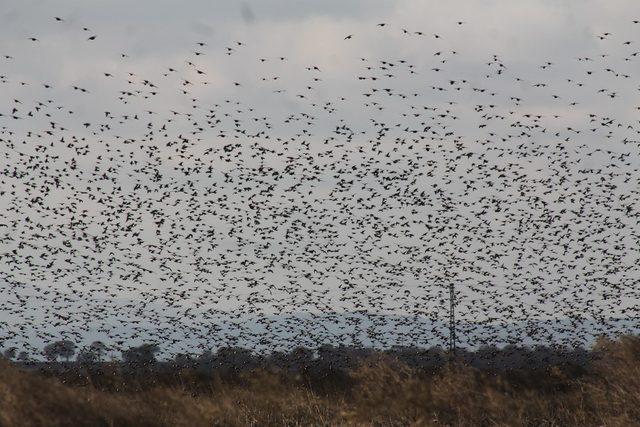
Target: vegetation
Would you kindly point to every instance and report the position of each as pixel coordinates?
(328, 386)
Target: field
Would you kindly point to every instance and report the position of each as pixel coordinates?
(381, 390)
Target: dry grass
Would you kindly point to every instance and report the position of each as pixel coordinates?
(385, 393)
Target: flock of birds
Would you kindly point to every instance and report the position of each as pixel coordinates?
(338, 210)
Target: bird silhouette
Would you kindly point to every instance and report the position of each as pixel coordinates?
(293, 201)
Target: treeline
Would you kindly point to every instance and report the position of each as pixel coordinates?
(325, 367)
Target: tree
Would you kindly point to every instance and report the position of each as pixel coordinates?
(183, 359)
(66, 349)
(10, 353)
(300, 359)
(99, 349)
(63, 348)
(50, 352)
(23, 356)
(141, 356)
(233, 359)
(93, 353)
(86, 356)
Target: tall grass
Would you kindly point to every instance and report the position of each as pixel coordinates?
(382, 391)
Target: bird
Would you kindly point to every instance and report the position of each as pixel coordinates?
(156, 196)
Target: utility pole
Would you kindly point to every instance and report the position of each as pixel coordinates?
(452, 323)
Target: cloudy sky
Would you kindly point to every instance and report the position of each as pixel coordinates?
(210, 162)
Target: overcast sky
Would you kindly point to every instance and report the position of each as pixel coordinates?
(495, 111)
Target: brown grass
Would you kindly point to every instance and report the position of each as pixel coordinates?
(385, 393)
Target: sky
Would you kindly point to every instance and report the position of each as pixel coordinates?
(194, 170)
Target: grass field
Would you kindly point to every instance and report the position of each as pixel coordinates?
(381, 391)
